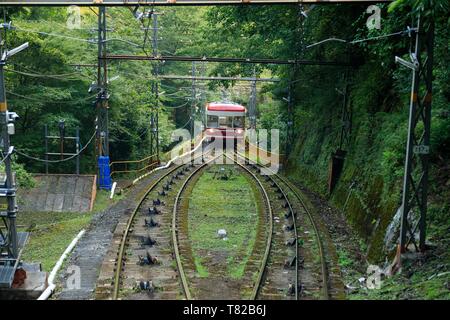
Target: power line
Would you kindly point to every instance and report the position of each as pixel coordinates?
(89, 41)
(333, 39)
(176, 107)
(40, 75)
(54, 35)
(56, 161)
(49, 101)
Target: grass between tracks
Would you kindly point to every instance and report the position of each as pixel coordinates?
(52, 232)
(222, 204)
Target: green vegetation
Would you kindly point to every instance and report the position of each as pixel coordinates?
(51, 233)
(420, 279)
(222, 204)
(43, 86)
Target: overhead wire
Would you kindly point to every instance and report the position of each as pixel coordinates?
(333, 39)
(56, 161)
(51, 102)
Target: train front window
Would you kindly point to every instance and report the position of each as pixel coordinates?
(213, 121)
(238, 122)
(225, 122)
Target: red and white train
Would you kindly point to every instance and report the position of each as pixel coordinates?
(224, 120)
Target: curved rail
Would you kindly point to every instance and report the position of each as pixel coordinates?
(295, 233)
(269, 238)
(127, 231)
(325, 292)
(183, 277)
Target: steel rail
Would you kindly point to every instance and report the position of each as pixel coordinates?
(295, 229)
(128, 227)
(262, 269)
(180, 268)
(325, 291)
(295, 233)
(130, 222)
(176, 249)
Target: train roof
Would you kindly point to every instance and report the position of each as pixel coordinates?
(225, 106)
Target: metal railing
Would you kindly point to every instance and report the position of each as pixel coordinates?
(133, 167)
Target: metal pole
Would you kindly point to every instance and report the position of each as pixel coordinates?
(193, 102)
(10, 187)
(46, 148)
(61, 138)
(415, 180)
(154, 117)
(290, 122)
(252, 104)
(102, 133)
(346, 114)
(77, 150)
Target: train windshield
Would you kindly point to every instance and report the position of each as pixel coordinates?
(212, 122)
(225, 122)
(238, 122)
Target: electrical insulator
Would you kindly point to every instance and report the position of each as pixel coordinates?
(11, 129)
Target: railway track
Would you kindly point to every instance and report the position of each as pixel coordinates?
(279, 267)
(287, 193)
(260, 253)
(137, 248)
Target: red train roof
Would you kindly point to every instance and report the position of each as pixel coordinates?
(217, 106)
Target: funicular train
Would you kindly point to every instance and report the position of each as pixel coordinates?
(224, 120)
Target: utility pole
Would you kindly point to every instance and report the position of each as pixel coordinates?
(415, 180)
(10, 240)
(203, 95)
(102, 107)
(346, 115)
(193, 101)
(252, 103)
(299, 49)
(290, 120)
(154, 112)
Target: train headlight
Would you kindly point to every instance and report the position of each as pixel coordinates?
(239, 131)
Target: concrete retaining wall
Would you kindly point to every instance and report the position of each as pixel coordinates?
(59, 193)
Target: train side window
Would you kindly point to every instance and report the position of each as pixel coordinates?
(213, 122)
